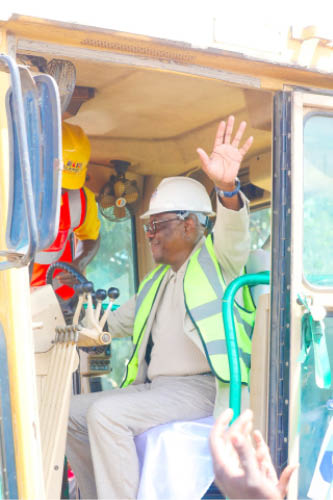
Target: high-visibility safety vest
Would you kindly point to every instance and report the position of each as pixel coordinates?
(204, 287)
(72, 214)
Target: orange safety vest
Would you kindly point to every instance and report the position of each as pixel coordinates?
(72, 214)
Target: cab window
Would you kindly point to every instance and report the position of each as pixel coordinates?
(115, 262)
(318, 201)
(115, 265)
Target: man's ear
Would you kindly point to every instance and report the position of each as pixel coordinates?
(190, 225)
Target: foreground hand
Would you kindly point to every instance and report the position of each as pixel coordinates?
(67, 278)
(223, 164)
(241, 469)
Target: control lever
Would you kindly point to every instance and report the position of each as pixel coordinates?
(113, 294)
(88, 289)
(100, 296)
(79, 290)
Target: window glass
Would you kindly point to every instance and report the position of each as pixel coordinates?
(114, 265)
(318, 199)
(260, 227)
(316, 413)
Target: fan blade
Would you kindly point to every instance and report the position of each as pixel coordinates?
(119, 212)
(107, 201)
(131, 197)
(119, 188)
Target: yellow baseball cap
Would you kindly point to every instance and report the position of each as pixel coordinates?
(75, 155)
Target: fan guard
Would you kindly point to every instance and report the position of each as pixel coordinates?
(119, 197)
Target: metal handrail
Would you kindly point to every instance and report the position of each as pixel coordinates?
(262, 278)
(21, 259)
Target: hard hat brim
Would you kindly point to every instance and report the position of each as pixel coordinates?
(73, 180)
(147, 214)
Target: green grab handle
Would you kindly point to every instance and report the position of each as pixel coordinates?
(262, 278)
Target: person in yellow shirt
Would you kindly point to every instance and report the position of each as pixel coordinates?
(77, 241)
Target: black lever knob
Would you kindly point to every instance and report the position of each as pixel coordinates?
(88, 287)
(101, 294)
(113, 293)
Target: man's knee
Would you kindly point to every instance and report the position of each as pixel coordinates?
(104, 411)
(114, 414)
(78, 409)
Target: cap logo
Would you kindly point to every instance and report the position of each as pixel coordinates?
(73, 167)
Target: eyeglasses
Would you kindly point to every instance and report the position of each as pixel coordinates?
(153, 228)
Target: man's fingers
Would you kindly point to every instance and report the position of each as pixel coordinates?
(285, 478)
(66, 278)
(221, 424)
(246, 146)
(260, 444)
(239, 135)
(243, 424)
(219, 134)
(217, 437)
(264, 456)
(228, 132)
(245, 452)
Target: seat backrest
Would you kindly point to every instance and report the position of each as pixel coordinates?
(259, 375)
(259, 260)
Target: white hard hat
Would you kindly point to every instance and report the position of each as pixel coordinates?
(179, 193)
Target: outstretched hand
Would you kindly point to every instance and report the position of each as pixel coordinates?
(244, 470)
(223, 164)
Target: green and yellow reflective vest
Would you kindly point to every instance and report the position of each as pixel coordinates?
(204, 287)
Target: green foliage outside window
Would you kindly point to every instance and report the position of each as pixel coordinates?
(318, 202)
(114, 266)
(260, 227)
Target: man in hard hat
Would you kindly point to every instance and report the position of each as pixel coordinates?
(78, 216)
(179, 367)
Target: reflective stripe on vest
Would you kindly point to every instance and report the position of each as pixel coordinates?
(145, 298)
(76, 212)
(203, 289)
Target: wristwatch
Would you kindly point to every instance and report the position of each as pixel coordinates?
(229, 194)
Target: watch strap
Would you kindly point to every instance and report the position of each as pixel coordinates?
(229, 194)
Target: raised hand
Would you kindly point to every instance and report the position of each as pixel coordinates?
(223, 164)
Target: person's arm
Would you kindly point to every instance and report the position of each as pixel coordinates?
(121, 321)
(231, 231)
(88, 240)
(84, 253)
(232, 238)
(243, 470)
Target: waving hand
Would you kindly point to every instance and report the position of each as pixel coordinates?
(223, 164)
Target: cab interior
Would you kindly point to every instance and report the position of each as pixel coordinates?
(150, 122)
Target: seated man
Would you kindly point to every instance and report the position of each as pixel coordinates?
(176, 323)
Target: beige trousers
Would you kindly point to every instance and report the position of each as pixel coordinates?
(102, 426)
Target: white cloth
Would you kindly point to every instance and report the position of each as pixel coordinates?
(175, 461)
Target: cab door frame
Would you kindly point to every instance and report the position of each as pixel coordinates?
(287, 273)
